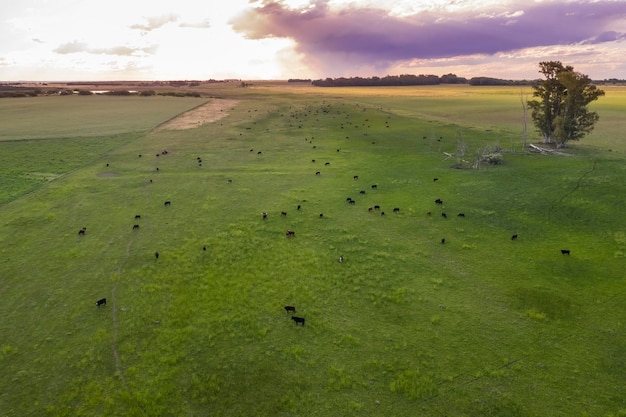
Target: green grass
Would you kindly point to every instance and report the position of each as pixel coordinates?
(481, 325)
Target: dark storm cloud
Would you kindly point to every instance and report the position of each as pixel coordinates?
(374, 37)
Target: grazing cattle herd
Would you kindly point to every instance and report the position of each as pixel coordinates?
(291, 233)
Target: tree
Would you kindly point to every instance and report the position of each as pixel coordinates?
(560, 112)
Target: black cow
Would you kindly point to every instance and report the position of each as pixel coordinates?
(438, 201)
(264, 215)
(443, 240)
(461, 215)
(156, 255)
(290, 233)
(290, 309)
(101, 302)
(167, 203)
(396, 210)
(362, 192)
(340, 259)
(435, 179)
(283, 213)
(82, 231)
(376, 207)
(137, 216)
(298, 320)
(356, 177)
(514, 237)
(444, 215)
(565, 251)
(135, 226)
(351, 202)
(374, 186)
(327, 163)
(321, 215)
(299, 207)
(318, 173)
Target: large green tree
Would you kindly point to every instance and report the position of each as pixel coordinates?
(560, 111)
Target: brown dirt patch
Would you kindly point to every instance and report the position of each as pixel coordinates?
(207, 113)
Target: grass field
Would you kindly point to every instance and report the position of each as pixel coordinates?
(479, 326)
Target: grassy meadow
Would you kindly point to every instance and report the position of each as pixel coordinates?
(480, 325)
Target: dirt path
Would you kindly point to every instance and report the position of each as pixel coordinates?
(206, 113)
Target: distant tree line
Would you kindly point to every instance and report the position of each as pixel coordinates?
(389, 80)
(409, 79)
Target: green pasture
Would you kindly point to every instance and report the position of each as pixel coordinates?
(481, 325)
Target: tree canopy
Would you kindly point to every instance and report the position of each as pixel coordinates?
(560, 111)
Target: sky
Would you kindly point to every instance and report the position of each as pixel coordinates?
(81, 40)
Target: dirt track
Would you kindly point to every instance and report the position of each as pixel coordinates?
(207, 113)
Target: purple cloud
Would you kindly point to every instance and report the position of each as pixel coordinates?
(373, 37)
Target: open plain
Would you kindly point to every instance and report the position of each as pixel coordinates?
(475, 313)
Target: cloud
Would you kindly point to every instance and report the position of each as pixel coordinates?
(373, 37)
(78, 47)
(71, 48)
(37, 40)
(203, 24)
(155, 22)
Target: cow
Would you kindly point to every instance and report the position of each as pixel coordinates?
(321, 215)
(137, 216)
(376, 207)
(283, 213)
(167, 203)
(351, 202)
(135, 226)
(565, 251)
(156, 254)
(204, 247)
(382, 213)
(370, 209)
(299, 207)
(428, 213)
(290, 309)
(438, 201)
(327, 163)
(290, 233)
(101, 302)
(298, 320)
(340, 259)
(435, 179)
(259, 153)
(348, 199)
(362, 192)
(356, 177)
(264, 215)
(312, 160)
(514, 237)
(318, 173)
(444, 215)
(374, 186)
(396, 210)
(443, 240)
(461, 215)
(82, 231)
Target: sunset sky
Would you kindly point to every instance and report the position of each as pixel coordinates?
(50, 40)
